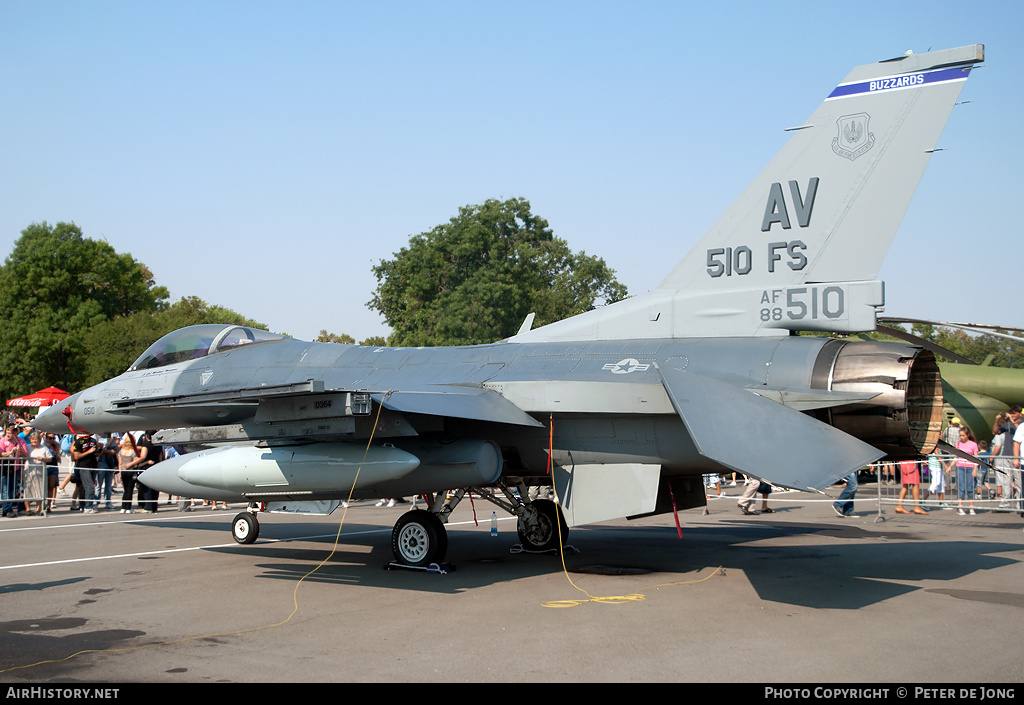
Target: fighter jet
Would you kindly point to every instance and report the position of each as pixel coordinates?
(622, 408)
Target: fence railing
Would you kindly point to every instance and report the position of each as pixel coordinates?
(42, 486)
(939, 481)
(949, 482)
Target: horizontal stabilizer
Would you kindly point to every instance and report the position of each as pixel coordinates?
(761, 438)
(810, 399)
(953, 450)
(458, 402)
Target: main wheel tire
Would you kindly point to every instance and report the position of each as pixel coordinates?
(419, 539)
(245, 528)
(549, 529)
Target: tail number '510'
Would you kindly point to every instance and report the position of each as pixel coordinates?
(803, 302)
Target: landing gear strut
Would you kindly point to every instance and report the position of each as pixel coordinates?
(420, 539)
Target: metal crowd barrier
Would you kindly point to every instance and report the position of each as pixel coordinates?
(25, 485)
(996, 489)
(1002, 494)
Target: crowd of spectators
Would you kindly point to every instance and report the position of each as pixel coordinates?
(41, 472)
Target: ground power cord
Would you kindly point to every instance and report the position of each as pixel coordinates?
(608, 599)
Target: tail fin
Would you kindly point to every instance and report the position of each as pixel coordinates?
(800, 248)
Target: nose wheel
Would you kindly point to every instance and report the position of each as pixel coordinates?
(244, 528)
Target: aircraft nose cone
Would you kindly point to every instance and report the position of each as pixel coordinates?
(52, 419)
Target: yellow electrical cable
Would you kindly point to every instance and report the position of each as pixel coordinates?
(295, 592)
(607, 600)
(619, 599)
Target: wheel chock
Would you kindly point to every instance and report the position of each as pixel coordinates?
(433, 568)
(566, 549)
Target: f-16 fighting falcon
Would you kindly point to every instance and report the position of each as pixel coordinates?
(622, 408)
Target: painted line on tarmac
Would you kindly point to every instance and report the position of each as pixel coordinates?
(232, 544)
(181, 550)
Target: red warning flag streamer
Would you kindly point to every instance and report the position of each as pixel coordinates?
(675, 512)
(551, 440)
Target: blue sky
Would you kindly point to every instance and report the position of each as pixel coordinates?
(265, 155)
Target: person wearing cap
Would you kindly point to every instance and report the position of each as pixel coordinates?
(952, 433)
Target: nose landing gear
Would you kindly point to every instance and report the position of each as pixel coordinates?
(245, 528)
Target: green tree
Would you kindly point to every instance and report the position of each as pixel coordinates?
(374, 341)
(475, 278)
(983, 348)
(326, 337)
(113, 345)
(54, 287)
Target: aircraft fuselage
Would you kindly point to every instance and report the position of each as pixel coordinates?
(606, 401)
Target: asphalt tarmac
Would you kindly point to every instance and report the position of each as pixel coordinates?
(799, 595)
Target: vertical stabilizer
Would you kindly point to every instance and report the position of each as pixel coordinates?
(802, 245)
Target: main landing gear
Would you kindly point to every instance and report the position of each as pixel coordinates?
(420, 539)
(543, 528)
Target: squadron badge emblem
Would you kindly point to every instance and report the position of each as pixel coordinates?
(853, 139)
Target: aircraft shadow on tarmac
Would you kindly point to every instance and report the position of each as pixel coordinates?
(839, 575)
(822, 573)
(23, 587)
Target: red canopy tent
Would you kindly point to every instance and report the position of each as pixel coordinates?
(44, 397)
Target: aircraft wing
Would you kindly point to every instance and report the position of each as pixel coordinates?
(762, 438)
(458, 402)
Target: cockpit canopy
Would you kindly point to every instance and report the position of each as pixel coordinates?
(199, 341)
